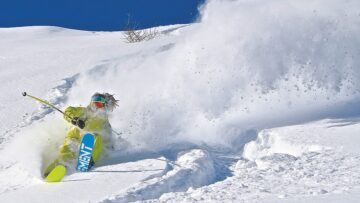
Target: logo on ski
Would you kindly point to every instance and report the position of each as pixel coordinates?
(85, 153)
(84, 158)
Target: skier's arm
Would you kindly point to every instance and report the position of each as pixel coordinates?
(73, 112)
(73, 115)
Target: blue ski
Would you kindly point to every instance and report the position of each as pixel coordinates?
(85, 153)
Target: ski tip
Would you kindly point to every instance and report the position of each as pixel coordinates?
(56, 175)
(24, 94)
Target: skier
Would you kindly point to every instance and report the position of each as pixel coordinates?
(92, 119)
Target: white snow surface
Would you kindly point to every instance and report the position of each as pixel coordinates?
(258, 101)
(289, 164)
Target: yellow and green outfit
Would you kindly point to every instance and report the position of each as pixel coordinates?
(96, 122)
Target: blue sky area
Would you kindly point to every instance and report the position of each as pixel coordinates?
(97, 15)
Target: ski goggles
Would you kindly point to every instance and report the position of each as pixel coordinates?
(98, 104)
(98, 101)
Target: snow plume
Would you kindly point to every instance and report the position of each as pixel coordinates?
(29, 153)
(246, 65)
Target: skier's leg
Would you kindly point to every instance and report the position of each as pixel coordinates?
(70, 146)
(50, 167)
(67, 151)
(98, 148)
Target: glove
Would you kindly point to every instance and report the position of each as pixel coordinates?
(78, 122)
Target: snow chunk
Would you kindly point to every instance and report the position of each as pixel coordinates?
(269, 142)
(191, 170)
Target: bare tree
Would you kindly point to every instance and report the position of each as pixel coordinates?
(132, 35)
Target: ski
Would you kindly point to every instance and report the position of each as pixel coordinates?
(85, 153)
(56, 175)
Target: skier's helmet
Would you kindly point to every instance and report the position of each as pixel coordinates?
(104, 100)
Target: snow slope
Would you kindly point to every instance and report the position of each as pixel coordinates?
(257, 102)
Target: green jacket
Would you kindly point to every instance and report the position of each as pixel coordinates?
(95, 122)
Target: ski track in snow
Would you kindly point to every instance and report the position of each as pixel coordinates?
(57, 97)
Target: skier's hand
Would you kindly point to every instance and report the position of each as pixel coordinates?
(78, 122)
(74, 120)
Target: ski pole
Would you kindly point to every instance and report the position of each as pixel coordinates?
(54, 107)
(46, 103)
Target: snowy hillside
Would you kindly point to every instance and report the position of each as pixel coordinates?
(257, 102)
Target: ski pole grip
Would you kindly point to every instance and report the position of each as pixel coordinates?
(24, 94)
